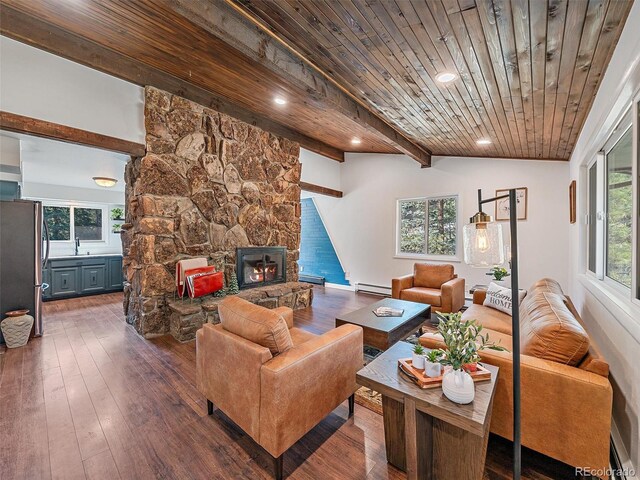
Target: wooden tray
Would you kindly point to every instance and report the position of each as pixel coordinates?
(420, 379)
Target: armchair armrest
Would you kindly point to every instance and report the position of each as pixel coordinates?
(287, 314)
(479, 294)
(304, 384)
(399, 284)
(452, 295)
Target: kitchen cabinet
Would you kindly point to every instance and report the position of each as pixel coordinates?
(82, 275)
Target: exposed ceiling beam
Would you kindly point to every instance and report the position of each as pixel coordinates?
(312, 187)
(233, 25)
(42, 35)
(54, 131)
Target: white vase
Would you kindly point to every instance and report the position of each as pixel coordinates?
(457, 386)
(417, 361)
(432, 369)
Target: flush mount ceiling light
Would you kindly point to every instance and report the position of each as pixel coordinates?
(356, 141)
(483, 141)
(446, 77)
(106, 182)
(279, 101)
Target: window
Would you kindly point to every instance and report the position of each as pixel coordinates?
(59, 222)
(610, 188)
(68, 223)
(87, 223)
(428, 226)
(619, 210)
(593, 215)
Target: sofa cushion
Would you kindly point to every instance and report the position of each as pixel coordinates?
(432, 296)
(255, 323)
(548, 330)
(489, 318)
(435, 340)
(431, 276)
(499, 298)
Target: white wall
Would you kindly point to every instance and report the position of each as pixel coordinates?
(41, 85)
(320, 170)
(613, 321)
(10, 167)
(362, 223)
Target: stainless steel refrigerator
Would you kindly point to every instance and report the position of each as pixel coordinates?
(24, 250)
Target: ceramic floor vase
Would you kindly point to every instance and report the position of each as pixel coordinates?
(16, 330)
(457, 386)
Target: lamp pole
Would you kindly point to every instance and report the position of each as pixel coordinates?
(515, 323)
(515, 330)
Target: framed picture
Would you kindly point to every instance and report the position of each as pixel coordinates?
(502, 205)
(572, 202)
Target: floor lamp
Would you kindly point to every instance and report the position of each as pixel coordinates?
(483, 247)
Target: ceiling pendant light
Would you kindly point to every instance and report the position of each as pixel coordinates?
(106, 182)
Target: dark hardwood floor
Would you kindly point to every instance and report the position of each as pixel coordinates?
(91, 399)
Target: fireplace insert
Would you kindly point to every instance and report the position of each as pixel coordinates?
(259, 266)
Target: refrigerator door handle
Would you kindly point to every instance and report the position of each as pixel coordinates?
(47, 241)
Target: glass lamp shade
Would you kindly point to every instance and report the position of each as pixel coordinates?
(483, 244)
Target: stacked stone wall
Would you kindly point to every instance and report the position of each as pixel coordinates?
(208, 184)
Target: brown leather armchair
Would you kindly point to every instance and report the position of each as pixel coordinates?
(275, 381)
(436, 285)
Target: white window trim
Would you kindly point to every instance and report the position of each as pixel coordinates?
(626, 299)
(457, 258)
(71, 205)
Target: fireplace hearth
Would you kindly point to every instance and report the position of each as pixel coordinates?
(260, 266)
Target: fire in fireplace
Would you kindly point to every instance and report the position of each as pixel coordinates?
(258, 266)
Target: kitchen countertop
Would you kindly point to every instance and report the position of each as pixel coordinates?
(93, 255)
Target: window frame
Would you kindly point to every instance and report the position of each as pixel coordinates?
(72, 228)
(426, 256)
(628, 119)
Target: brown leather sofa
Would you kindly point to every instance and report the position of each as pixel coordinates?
(275, 381)
(436, 285)
(566, 394)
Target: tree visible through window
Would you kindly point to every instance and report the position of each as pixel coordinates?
(619, 197)
(443, 226)
(87, 223)
(59, 222)
(428, 226)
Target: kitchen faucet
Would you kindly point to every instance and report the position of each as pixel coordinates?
(77, 244)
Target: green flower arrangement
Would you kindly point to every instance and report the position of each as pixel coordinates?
(464, 339)
(498, 273)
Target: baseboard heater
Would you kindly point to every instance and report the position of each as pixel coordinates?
(312, 279)
(375, 289)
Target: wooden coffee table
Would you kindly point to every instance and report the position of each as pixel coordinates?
(427, 435)
(382, 332)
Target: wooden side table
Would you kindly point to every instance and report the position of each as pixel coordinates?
(427, 435)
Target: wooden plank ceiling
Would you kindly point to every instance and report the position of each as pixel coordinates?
(528, 69)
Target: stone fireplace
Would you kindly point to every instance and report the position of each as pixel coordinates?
(208, 185)
(261, 266)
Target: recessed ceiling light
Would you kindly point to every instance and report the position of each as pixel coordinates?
(446, 77)
(106, 182)
(356, 141)
(484, 141)
(280, 100)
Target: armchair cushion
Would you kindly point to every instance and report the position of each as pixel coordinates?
(256, 324)
(432, 296)
(431, 276)
(548, 330)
